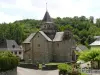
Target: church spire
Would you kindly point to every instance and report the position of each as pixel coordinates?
(46, 6)
(48, 26)
(47, 17)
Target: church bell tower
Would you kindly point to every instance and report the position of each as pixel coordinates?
(48, 26)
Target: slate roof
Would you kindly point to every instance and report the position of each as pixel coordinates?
(58, 36)
(81, 48)
(3, 44)
(96, 42)
(47, 18)
(9, 45)
(28, 39)
(45, 35)
(96, 37)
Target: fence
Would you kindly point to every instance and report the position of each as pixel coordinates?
(91, 71)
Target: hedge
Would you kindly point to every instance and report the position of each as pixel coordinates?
(8, 61)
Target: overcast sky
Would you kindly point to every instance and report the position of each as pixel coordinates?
(11, 10)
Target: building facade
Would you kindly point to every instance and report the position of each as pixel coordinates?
(49, 45)
(11, 45)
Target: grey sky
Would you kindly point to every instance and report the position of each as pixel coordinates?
(11, 10)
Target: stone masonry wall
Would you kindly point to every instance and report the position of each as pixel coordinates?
(10, 72)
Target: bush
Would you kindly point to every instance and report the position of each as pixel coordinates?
(64, 67)
(8, 61)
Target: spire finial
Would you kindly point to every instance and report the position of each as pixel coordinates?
(46, 6)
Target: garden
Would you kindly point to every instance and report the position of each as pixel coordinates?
(69, 69)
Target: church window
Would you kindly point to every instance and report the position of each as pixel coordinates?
(58, 44)
(38, 45)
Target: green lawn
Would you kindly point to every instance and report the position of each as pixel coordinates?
(53, 63)
(83, 74)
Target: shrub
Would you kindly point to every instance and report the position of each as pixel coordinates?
(8, 61)
(64, 67)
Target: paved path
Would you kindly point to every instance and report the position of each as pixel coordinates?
(25, 71)
(93, 74)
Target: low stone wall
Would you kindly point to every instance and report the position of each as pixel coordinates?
(10, 72)
(50, 67)
(26, 65)
(33, 66)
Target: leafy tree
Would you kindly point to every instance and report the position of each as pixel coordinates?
(98, 22)
(90, 55)
(91, 19)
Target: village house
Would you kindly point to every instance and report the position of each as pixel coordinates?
(96, 43)
(11, 45)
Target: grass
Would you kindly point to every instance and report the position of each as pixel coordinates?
(40, 65)
(83, 74)
(53, 63)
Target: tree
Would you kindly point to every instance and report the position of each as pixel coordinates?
(90, 55)
(98, 22)
(83, 18)
(18, 33)
(91, 19)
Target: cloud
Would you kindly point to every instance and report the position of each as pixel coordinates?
(35, 9)
(7, 18)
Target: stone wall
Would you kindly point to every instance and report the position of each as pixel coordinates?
(10, 72)
(40, 49)
(28, 65)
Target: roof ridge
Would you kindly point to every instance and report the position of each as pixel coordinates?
(45, 35)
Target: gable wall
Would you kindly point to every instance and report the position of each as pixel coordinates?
(40, 47)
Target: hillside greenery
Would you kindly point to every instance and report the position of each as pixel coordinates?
(83, 28)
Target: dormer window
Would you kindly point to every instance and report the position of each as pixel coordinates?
(13, 46)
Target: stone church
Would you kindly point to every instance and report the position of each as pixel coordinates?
(49, 45)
